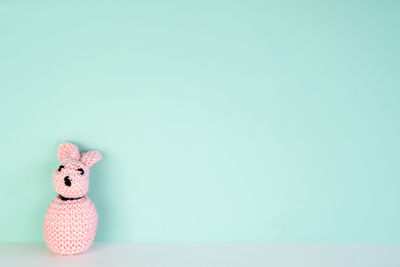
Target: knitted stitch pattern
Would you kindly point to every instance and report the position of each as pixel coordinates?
(69, 224)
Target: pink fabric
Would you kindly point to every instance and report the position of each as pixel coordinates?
(69, 226)
(90, 157)
(79, 183)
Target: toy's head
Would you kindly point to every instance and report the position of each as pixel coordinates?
(71, 178)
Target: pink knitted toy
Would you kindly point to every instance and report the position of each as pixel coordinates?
(69, 224)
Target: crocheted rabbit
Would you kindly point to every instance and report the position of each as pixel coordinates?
(69, 224)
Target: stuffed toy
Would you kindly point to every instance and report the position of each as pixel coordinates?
(69, 224)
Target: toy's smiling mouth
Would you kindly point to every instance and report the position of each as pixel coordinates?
(70, 198)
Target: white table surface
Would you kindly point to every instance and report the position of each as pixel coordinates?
(208, 254)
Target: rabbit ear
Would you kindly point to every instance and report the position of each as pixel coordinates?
(67, 150)
(91, 157)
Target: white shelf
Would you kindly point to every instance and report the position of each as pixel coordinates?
(206, 254)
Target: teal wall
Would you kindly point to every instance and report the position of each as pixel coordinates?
(218, 120)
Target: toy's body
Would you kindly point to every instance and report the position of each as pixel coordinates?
(69, 224)
(69, 227)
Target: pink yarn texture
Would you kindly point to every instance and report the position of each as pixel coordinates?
(69, 224)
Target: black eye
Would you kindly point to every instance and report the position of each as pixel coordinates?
(59, 168)
(81, 171)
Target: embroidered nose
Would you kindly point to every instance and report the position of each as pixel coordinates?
(67, 181)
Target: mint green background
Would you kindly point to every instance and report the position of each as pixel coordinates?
(218, 120)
